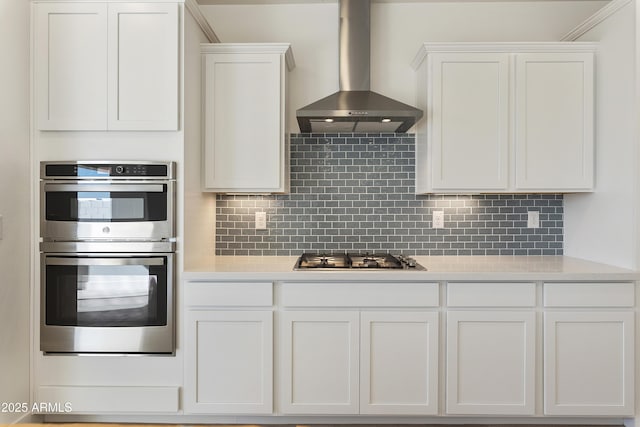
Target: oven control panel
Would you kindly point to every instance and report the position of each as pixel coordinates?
(105, 170)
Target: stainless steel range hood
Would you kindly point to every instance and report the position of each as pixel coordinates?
(355, 108)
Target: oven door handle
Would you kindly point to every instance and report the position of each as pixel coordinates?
(104, 261)
(110, 188)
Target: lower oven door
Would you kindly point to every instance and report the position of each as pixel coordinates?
(107, 303)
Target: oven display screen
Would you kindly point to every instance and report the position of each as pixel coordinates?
(89, 171)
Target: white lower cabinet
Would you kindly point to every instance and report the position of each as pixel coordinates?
(229, 351)
(319, 362)
(359, 348)
(589, 352)
(491, 362)
(399, 363)
(369, 362)
(491, 348)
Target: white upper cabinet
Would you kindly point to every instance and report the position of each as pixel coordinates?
(143, 66)
(71, 66)
(245, 142)
(107, 66)
(505, 117)
(470, 127)
(554, 121)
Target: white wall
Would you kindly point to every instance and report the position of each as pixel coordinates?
(14, 204)
(199, 207)
(601, 226)
(398, 30)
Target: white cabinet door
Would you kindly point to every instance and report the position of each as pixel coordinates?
(589, 363)
(554, 121)
(143, 66)
(107, 66)
(319, 362)
(470, 121)
(71, 66)
(491, 362)
(229, 368)
(505, 117)
(244, 134)
(399, 363)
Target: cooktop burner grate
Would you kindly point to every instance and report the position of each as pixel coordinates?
(310, 260)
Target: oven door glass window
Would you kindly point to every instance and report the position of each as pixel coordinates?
(114, 292)
(107, 206)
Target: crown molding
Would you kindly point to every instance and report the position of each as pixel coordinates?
(194, 8)
(502, 47)
(595, 19)
(279, 48)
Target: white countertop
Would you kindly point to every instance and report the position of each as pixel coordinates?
(280, 268)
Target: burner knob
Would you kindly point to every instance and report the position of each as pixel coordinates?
(371, 263)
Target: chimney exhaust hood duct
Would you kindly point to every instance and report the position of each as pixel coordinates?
(355, 108)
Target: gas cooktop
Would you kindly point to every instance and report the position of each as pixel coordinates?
(355, 261)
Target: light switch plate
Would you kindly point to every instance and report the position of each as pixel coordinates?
(437, 220)
(261, 220)
(533, 219)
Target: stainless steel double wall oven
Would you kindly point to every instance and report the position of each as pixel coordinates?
(107, 257)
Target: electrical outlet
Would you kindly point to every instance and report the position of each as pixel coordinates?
(437, 220)
(261, 220)
(533, 219)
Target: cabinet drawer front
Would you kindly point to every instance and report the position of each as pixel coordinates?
(360, 295)
(228, 294)
(491, 294)
(113, 399)
(589, 294)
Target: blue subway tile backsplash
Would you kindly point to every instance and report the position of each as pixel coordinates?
(356, 192)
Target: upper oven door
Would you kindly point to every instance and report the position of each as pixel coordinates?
(107, 210)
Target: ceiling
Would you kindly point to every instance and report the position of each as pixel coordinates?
(236, 2)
